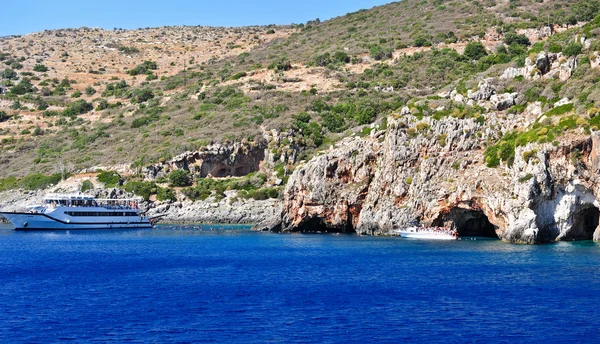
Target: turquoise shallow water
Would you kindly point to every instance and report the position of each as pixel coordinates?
(188, 284)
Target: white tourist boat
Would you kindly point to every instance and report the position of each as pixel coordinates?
(79, 211)
(427, 233)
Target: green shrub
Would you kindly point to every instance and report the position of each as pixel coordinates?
(180, 178)
(475, 50)
(128, 50)
(380, 53)
(559, 110)
(117, 89)
(165, 194)
(22, 87)
(8, 74)
(78, 107)
(86, 185)
(421, 42)
(8, 183)
(442, 139)
(512, 38)
(109, 179)
(555, 48)
(281, 64)
(573, 49)
(144, 68)
(141, 95)
(37, 181)
(341, 57)
(40, 68)
(321, 60)
(142, 189)
(238, 75)
(90, 91)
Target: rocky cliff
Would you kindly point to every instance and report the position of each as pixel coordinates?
(396, 177)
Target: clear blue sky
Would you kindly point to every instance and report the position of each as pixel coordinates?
(22, 16)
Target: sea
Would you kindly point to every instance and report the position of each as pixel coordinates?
(227, 284)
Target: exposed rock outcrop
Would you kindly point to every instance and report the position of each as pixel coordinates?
(394, 179)
(232, 160)
(228, 210)
(216, 160)
(545, 66)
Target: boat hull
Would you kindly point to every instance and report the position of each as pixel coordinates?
(426, 236)
(31, 221)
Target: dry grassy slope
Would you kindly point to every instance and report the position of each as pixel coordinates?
(92, 49)
(219, 49)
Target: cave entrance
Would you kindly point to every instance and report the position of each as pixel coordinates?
(468, 223)
(242, 171)
(585, 223)
(317, 225)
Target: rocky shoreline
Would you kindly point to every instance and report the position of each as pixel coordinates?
(229, 210)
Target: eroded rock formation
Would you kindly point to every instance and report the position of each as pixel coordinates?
(394, 178)
(232, 160)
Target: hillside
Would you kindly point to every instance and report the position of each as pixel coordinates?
(86, 97)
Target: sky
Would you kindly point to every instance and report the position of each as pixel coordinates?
(27, 16)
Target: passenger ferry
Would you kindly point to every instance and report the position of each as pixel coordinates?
(433, 233)
(79, 211)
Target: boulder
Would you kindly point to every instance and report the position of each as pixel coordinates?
(503, 101)
(484, 92)
(542, 62)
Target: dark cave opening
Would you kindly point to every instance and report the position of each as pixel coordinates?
(585, 223)
(468, 223)
(317, 225)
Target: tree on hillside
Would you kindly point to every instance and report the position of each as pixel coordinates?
(475, 50)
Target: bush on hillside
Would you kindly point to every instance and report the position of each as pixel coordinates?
(22, 87)
(38, 181)
(180, 178)
(86, 185)
(380, 53)
(109, 179)
(513, 38)
(78, 107)
(8, 74)
(141, 95)
(40, 68)
(281, 64)
(142, 189)
(90, 91)
(165, 194)
(573, 49)
(144, 68)
(475, 50)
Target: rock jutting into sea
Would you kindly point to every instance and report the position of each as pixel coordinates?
(396, 177)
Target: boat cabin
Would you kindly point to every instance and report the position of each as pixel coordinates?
(80, 200)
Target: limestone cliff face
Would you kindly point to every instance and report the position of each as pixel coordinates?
(216, 160)
(329, 192)
(233, 159)
(437, 176)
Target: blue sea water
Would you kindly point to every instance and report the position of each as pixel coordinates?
(191, 284)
